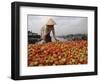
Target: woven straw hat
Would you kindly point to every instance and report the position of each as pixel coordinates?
(50, 22)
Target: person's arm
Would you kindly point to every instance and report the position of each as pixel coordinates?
(53, 31)
(42, 32)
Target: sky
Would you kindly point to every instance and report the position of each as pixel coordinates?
(64, 24)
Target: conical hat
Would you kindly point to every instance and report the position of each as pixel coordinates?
(51, 22)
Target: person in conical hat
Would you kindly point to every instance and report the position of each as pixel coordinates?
(47, 29)
(51, 22)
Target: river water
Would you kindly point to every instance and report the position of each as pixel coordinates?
(60, 39)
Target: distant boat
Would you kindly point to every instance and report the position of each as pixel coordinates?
(33, 37)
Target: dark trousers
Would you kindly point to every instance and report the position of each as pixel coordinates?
(47, 38)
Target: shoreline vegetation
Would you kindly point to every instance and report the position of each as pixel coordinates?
(35, 37)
